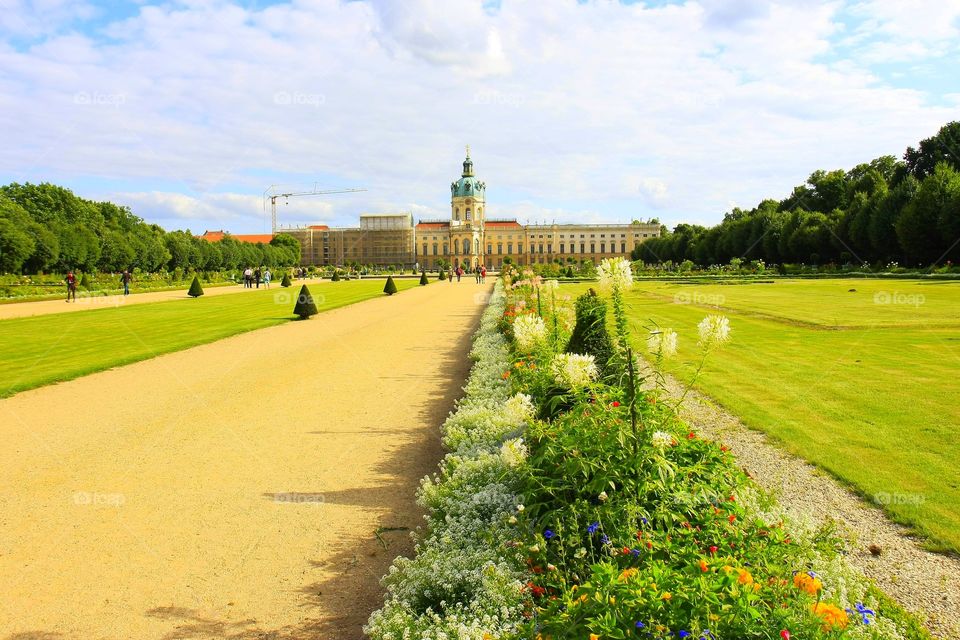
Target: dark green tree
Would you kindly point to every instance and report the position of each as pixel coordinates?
(305, 306)
(286, 280)
(590, 335)
(423, 278)
(195, 289)
(390, 287)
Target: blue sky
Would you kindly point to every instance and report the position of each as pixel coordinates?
(575, 111)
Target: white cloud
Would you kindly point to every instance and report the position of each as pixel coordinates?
(564, 103)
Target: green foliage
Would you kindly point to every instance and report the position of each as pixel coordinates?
(336, 276)
(44, 228)
(390, 287)
(423, 278)
(305, 306)
(85, 282)
(443, 275)
(880, 211)
(286, 280)
(590, 335)
(195, 289)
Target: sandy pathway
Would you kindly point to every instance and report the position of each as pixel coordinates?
(88, 302)
(231, 490)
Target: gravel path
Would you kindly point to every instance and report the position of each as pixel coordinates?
(925, 583)
(233, 490)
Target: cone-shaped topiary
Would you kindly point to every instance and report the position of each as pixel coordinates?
(286, 280)
(336, 276)
(590, 336)
(85, 282)
(390, 288)
(305, 307)
(195, 289)
(423, 278)
(443, 274)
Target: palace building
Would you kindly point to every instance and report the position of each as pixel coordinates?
(468, 238)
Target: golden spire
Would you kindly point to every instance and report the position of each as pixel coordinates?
(468, 151)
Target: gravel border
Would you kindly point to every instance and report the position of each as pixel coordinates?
(925, 583)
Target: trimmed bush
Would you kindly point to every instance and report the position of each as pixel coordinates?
(85, 282)
(423, 278)
(305, 306)
(443, 275)
(336, 277)
(590, 336)
(390, 287)
(195, 289)
(286, 280)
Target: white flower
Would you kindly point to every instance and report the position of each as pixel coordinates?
(661, 439)
(602, 497)
(519, 508)
(714, 331)
(518, 410)
(573, 371)
(529, 330)
(551, 285)
(615, 273)
(662, 343)
(513, 452)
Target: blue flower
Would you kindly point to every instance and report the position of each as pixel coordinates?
(706, 635)
(635, 553)
(604, 539)
(548, 534)
(863, 611)
(640, 625)
(683, 634)
(592, 529)
(643, 520)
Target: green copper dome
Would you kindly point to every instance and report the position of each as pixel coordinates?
(468, 185)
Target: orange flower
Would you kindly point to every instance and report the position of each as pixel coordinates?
(506, 374)
(744, 577)
(703, 566)
(594, 636)
(666, 595)
(808, 583)
(833, 616)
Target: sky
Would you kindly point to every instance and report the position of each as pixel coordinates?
(590, 111)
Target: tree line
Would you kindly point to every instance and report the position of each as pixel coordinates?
(880, 212)
(46, 228)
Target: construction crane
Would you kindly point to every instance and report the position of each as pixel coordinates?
(295, 194)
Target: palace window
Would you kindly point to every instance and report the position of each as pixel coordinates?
(561, 247)
(603, 247)
(549, 248)
(434, 248)
(509, 248)
(541, 247)
(593, 248)
(519, 248)
(424, 249)
(489, 249)
(623, 247)
(446, 249)
(582, 247)
(467, 215)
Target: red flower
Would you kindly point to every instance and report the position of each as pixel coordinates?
(732, 499)
(724, 447)
(713, 549)
(732, 518)
(691, 436)
(785, 634)
(615, 404)
(649, 545)
(626, 551)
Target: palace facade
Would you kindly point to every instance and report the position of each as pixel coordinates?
(468, 238)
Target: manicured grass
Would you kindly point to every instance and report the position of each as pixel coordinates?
(864, 389)
(40, 350)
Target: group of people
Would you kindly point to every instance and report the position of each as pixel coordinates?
(479, 273)
(253, 277)
(125, 279)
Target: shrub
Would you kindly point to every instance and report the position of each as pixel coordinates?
(423, 278)
(85, 282)
(286, 280)
(590, 335)
(305, 306)
(195, 289)
(443, 274)
(336, 276)
(390, 287)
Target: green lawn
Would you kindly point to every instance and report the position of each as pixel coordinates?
(862, 383)
(39, 350)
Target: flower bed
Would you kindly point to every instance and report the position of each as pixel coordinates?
(606, 517)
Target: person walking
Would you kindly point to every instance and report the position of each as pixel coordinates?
(483, 275)
(450, 275)
(71, 286)
(266, 278)
(459, 273)
(257, 274)
(476, 273)
(247, 278)
(126, 278)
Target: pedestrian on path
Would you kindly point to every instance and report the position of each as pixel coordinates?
(450, 275)
(71, 286)
(483, 274)
(247, 278)
(125, 278)
(266, 278)
(459, 273)
(476, 273)
(257, 274)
